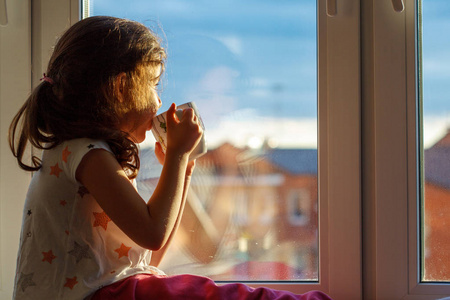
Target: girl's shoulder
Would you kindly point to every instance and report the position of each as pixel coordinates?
(71, 152)
(84, 145)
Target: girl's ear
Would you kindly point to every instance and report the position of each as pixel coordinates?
(120, 86)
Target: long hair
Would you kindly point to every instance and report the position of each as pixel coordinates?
(80, 99)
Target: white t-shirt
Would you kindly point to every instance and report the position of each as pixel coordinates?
(69, 247)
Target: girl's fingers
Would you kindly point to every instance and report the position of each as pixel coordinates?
(190, 167)
(184, 131)
(171, 114)
(188, 113)
(172, 119)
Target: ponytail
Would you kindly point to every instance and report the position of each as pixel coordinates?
(28, 126)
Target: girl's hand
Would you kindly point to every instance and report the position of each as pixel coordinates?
(161, 157)
(182, 135)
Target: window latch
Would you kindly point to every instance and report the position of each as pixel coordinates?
(398, 5)
(331, 8)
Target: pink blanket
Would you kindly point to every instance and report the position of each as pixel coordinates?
(192, 287)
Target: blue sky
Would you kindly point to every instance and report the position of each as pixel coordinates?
(240, 63)
(237, 63)
(436, 68)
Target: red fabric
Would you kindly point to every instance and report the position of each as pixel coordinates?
(191, 287)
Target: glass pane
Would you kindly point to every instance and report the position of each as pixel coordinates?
(250, 67)
(436, 140)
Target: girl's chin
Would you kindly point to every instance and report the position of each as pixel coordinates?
(138, 138)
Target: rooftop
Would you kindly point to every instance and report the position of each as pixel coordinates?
(437, 162)
(293, 161)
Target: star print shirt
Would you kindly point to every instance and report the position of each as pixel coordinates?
(69, 247)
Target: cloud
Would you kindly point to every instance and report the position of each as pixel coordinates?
(218, 80)
(245, 128)
(280, 132)
(436, 68)
(434, 128)
(233, 43)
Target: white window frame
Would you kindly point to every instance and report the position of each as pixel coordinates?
(391, 208)
(339, 140)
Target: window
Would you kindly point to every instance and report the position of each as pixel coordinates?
(253, 76)
(299, 207)
(436, 143)
(259, 96)
(391, 151)
(338, 157)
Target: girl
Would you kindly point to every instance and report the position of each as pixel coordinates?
(86, 232)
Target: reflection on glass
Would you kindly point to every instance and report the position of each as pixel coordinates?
(250, 67)
(436, 127)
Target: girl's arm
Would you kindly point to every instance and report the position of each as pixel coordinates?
(148, 224)
(157, 256)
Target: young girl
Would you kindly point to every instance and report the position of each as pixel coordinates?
(86, 232)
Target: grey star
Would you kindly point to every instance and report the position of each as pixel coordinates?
(25, 281)
(82, 191)
(80, 252)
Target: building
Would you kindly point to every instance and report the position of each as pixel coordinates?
(436, 226)
(250, 215)
(256, 213)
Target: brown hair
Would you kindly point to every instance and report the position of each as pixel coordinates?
(81, 102)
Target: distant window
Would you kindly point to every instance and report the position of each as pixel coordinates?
(299, 207)
(240, 213)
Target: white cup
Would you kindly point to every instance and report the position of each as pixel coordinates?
(159, 130)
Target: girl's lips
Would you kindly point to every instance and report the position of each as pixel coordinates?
(150, 125)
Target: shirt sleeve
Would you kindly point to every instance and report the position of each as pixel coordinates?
(73, 152)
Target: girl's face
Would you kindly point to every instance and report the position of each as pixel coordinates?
(136, 122)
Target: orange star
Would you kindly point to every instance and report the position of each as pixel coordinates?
(48, 256)
(65, 153)
(123, 250)
(101, 219)
(70, 282)
(55, 170)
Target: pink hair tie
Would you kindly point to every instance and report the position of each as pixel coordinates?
(48, 79)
